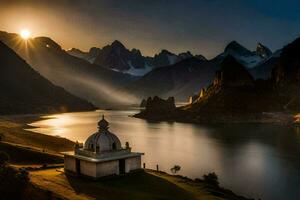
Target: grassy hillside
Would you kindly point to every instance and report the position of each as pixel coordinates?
(144, 185)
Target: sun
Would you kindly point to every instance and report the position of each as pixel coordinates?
(25, 34)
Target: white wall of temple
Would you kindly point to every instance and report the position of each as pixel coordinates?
(88, 168)
(108, 168)
(132, 164)
(70, 163)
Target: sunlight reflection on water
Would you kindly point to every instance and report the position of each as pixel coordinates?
(261, 161)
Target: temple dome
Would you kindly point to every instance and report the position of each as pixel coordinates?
(103, 140)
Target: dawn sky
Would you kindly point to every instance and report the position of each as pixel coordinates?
(201, 26)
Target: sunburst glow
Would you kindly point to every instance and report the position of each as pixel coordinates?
(25, 34)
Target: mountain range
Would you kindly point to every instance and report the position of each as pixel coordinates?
(23, 90)
(99, 85)
(235, 95)
(167, 74)
(246, 57)
(117, 57)
(104, 76)
(185, 78)
(179, 80)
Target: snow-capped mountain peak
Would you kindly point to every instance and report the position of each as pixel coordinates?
(246, 57)
(263, 51)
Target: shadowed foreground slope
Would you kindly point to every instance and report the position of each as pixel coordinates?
(23, 90)
(140, 185)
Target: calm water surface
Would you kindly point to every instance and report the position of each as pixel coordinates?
(261, 161)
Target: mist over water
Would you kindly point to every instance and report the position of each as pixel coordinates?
(260, 161)
(99, 85)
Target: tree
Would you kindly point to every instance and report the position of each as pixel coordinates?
(175, 169)
(211, 178)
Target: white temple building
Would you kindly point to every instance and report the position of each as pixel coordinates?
(102, 155)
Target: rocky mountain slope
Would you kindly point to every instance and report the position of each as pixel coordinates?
(246, 57)
(234, 91)
(117, 57)
(179, 80)
(92, 82)
(234, 95)
(106, 84)
(23, 90)
(286, 76)
(188, 76)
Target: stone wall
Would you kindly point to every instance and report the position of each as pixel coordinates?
(70, 163)
(132, 164)
(107, 168)
(88, 168)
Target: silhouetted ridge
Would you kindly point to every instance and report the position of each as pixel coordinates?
(23, 90)
(233, 74)
(286, 76)
(179, 80)
(288, 69)
(234, 46)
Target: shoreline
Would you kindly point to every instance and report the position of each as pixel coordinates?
(264, 118)
(37, 144)
(13, 130)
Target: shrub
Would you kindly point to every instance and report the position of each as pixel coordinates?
(211, 178)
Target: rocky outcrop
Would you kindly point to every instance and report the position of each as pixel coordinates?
(234, 91)
(193, 98)
(158, 104)
(157, 109)
(263, 51)
(143, 103)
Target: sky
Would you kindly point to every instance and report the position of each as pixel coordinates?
(200, 26)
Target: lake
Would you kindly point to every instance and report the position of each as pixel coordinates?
(260, 161)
